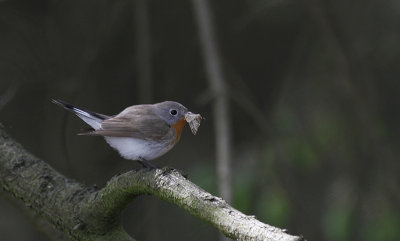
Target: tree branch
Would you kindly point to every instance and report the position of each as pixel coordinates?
(85, 213)
(41, 224)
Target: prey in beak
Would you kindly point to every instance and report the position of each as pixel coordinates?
(194, 121)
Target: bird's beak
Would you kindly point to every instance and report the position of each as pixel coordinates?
(194, 121)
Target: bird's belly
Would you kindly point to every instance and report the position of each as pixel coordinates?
(134, 149)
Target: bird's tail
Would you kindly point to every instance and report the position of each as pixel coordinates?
(91, 118)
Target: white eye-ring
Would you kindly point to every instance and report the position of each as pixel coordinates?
(173, 112)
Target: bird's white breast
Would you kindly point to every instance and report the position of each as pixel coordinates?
(134, 149)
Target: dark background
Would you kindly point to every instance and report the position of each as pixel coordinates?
(313, 87)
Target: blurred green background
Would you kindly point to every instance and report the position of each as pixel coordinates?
(313, 87)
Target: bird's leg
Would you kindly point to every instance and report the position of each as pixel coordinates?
(141, 163)
(147, 164)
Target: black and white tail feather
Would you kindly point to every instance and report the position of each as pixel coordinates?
(91, 118)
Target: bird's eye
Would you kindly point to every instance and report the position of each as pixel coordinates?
(173, 112)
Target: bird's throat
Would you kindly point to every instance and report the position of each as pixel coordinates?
(178, 128)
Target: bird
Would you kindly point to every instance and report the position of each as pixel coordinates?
(140, 132)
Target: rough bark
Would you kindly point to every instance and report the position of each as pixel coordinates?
(85, 213)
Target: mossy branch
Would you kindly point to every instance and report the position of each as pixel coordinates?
(85, 213)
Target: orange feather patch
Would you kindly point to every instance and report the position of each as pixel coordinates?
(178, 128)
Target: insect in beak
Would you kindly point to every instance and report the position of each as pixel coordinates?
(194, 121)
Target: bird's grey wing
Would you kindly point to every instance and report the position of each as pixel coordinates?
(136, 121)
